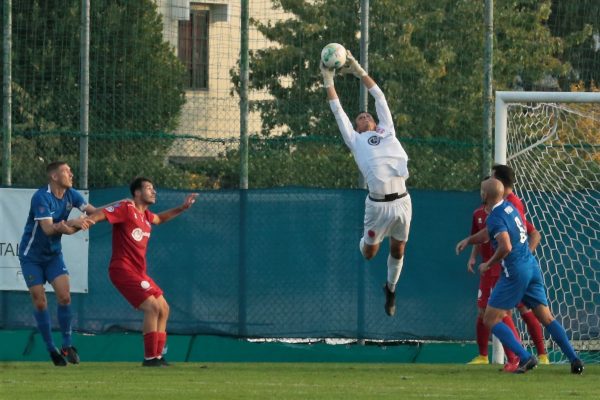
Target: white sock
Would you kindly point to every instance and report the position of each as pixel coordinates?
(394, 268)
(361, 246)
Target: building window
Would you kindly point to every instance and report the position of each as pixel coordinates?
(193, 47)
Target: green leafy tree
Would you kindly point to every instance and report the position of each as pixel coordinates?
(578, 23)
(136, 85)
(428, 58)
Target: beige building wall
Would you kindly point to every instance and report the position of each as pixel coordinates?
(214, 114)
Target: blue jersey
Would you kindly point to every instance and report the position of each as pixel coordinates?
(505, 218)
(35, 244)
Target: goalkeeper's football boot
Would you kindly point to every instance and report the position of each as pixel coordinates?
(70, 353)
(527, 365)
(479, 360)
(543, 359)
(577, 367)
(57, 358)
(152, 362)
(390, 301)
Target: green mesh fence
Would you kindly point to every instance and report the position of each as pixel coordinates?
(164, 92)
(164, 83)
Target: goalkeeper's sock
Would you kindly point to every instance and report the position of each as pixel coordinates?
(42, 318)
(560, 337)
(65, 317)
(150, 345)
(483, 336)
(507, 337)
(162, 339)
(394, 268)
(535, 331)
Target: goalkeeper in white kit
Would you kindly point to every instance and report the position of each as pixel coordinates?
(383, 162)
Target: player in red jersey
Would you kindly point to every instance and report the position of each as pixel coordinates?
(487, 281)
(506, 175)
(132, 223)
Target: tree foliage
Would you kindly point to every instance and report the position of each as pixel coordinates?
(427, 57)
(136, 83)
(578, 22)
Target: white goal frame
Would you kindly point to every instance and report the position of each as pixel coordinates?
(503, 99)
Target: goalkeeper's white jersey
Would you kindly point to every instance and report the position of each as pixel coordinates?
(378, 154)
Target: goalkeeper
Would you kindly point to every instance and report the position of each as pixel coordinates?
(383, 162)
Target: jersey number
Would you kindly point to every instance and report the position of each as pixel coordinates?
(522, 230)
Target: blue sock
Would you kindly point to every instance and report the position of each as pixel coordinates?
(64, 320)
(43, 323)
(560, 337)
(507, 337)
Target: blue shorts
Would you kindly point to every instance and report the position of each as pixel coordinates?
(526, 285)
(38, 273)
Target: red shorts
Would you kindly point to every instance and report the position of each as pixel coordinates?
(134, 285)
(486, 284)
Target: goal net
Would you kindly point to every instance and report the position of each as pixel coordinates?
(552, 141)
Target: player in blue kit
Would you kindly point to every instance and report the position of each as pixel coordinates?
(521, 278)
(40, 254)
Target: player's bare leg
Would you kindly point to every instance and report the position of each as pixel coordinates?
(38, 297)
(368, 250)
(151, 309)
(559, 335)
(62, 289)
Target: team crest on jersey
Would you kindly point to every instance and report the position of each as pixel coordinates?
(479, 221)
(137, 234)
(374, 140)
(110, 209)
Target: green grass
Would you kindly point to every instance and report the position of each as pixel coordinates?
(91, 381)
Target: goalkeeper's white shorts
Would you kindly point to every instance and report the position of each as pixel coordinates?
(387, 218)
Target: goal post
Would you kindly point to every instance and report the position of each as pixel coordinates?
(552, 141)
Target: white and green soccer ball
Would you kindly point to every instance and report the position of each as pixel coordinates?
(333, 55)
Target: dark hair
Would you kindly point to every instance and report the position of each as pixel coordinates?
(53, 166)
(137, 183)
(364, 112)
(504, 174)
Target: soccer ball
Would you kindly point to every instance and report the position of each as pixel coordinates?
(333, 55)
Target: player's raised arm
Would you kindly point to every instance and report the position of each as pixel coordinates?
(343, 122)
(381, 107)
(165, 216)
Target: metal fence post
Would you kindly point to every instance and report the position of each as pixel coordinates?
(84, 104)
(7, 95)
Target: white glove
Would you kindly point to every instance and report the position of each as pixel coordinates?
(327, 75)
(352, 66)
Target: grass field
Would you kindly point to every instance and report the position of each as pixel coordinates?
(89, 381)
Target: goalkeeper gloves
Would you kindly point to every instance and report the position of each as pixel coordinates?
(353, 67)
(327, 75)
